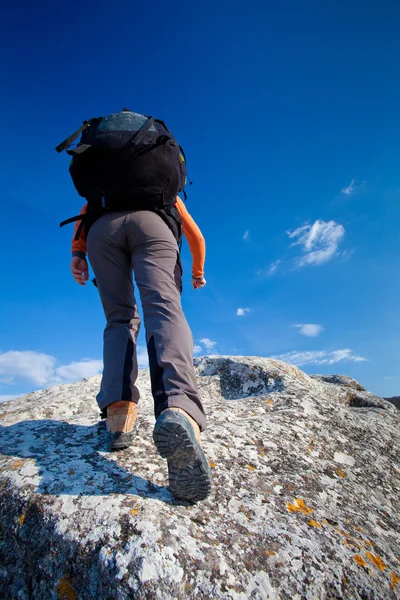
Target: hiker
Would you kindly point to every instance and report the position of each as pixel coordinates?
(130, 169)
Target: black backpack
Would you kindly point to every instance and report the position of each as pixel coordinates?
(126, 161)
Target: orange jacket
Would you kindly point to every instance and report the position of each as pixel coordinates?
(191, 231)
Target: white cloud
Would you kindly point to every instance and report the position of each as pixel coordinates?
(31, 366)
(5, 397)
(41, 369)
(273, 267)
(246, 236)
(346, 254)
(391, 377)
(309, 329)
(205, 346)
(241, 312)
(320, 241)
(268, 271)
(319, 357)
(142, 357)
(349, 190)
(209, 344)
(77, 370)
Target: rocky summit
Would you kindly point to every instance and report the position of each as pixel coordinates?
(305, 502)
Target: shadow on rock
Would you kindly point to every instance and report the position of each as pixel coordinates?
(68, 461)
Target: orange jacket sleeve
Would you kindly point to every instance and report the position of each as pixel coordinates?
(194, 237)
(79, 245)
(191, 231)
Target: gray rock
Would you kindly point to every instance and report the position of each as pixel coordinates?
(343, 380)
(394, 400)
(305, 503)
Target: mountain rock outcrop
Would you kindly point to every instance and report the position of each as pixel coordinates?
(394, 400)
(305, 504)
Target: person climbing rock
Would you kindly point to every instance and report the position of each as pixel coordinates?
(130, 170)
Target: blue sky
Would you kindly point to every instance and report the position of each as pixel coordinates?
(288, 113)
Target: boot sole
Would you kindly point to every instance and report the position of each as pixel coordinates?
(188, 471)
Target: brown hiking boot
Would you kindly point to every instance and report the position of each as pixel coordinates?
(177, 437)
(120, 422)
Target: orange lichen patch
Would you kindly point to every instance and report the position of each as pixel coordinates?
(212, 465)
(314, 524)
(268, 553)
(16, 464)
(359, 529)
(341, 473)
(268, 401)
(22, 519)
(250, 467)
(359, 560)
(368, 543)
(352, 543)
(299, 506)
(134, 511)
(378, 562)
(340, 532)
(65, 589)
(242, 509)
(395, 579)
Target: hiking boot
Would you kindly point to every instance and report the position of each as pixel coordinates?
(177, 437)
(120, 422)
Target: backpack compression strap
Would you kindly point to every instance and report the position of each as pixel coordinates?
(136, 139)
(139, 135)
(66, 143)
(71, 220)
(80, 218)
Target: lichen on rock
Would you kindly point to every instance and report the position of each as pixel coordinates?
(305, 503)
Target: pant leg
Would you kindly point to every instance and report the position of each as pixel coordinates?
(111, 263)
(155, 256)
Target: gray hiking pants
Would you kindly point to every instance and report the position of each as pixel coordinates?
(117, 243)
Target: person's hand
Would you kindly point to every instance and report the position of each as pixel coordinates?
(79, 270)
(198, 282)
